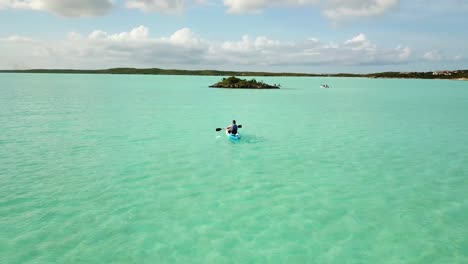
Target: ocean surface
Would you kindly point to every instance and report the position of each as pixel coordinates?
(130, 169)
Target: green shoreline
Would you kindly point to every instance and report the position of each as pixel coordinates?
(445, 75)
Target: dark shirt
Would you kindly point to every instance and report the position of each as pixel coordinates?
(234, 129)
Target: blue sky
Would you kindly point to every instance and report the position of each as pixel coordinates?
(319, 36)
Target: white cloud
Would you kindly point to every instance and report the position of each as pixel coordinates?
(243, 45)
(263, 51)
(263, 42)
(163, 6)
(182, 37)
(359, 43)
(185, 37)
(16, 39)
(345, 9)
(336, 10)
(357, 39)
(433, 55)
(74, 36)
(404, 52)
(255, 6)
(98, 34)
(26, 4)
(82, 8)
(138, 33)
(137, 48)
(438, 6)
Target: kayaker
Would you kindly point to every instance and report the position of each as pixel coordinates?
(232, 129)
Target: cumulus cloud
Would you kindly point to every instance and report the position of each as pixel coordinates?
(263, 42)
(74, 36)
(138, 33)
(437, 6)
(359, 42)
(72, 8)
(334, 9)
(244, 45)
(137, 48)
(255, 6)
(345, 9)
(185, 37)
(433, 55)
(163, 6)
(16, 39)
(26, 4)
(404, 52)
(264, 51)
(357, 39)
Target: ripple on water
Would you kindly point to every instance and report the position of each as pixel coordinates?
(95, 172)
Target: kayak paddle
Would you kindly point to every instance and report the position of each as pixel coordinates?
(219, 129)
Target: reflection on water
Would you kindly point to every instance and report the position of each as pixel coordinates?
(135, 172)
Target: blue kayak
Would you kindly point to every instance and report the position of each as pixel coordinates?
(233, 136)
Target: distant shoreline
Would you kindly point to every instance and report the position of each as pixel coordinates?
(461, 75)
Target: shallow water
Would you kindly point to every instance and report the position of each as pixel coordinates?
(130, 169)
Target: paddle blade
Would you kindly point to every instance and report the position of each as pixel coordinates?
(219, 129)
(239, 126)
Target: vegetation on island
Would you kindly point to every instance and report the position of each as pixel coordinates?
(233, 82)
(458, 74)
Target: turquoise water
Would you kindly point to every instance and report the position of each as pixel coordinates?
(130, 169)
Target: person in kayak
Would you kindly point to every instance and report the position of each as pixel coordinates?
(232, 129)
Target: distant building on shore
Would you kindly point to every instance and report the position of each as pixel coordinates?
(442, 73)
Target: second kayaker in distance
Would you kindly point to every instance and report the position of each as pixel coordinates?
(232, 129)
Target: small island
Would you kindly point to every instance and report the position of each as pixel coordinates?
(236, 83)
